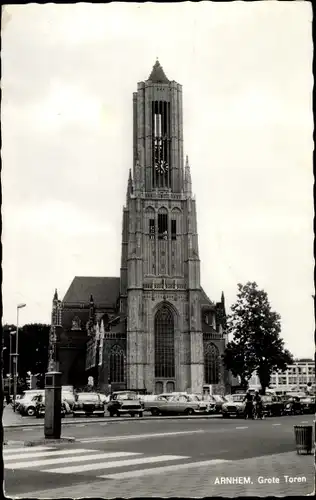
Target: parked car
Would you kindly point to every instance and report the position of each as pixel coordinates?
(235, 406)
(272, 405)
(293, 407)
(186, 404)
(216, 402)
(27, 406)
(40, 407)
(88, 403)
(125, 402)
(308, 404)
(27, 403)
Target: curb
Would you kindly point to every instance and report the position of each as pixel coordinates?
(50, 441)
(112, 420)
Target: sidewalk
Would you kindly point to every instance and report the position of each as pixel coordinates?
(287, 468)
(9, 417)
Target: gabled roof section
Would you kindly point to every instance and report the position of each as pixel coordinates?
(158, 75)
(205, 300)
(103, 290)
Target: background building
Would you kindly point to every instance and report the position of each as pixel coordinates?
(296, 377)
(154, 328)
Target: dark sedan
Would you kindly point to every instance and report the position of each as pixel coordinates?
(273, 406)
(88, 403)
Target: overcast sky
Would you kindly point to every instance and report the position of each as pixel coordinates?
(69, 72)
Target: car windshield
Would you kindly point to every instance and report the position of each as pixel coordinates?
(193, 397)
(125, 396)
(238, 398)
(88, 397)
(218, 398)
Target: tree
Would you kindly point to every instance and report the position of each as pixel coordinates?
(256, 345)
(33, 348)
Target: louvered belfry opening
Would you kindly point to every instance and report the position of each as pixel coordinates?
(164, 344)
(161, 147)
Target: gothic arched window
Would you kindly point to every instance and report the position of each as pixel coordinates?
(117, 364)
(211, 363)
(164, 343)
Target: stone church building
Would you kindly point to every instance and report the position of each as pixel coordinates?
(153, 328)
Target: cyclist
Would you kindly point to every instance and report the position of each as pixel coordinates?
(258, 405)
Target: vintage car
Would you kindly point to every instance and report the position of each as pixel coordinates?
(27, 404)
(216, 402)
(235, 406)
(40, 407)
(125, 402)
(187, 404)
(88, 403)
(273, 406)
(308, 404)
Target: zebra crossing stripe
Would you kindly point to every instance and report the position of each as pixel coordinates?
(159, 470)
(63, 460)
(25, 449)
(39, 454)
(116, 463)
(98, 439)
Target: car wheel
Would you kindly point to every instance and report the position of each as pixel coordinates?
(140, 414)
(111, 413)
(132, 414)
(154, 412)
(189, 411)
(30, 411)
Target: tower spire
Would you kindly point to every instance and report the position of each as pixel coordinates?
(129, 185)
(157, 74)
(187, 178)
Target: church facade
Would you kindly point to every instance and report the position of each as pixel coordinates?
(154, 328)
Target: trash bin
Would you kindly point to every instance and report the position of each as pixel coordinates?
(303, 438)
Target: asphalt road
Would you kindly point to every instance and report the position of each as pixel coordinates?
(108, 449)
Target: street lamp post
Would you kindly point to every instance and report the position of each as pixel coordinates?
(10, 362)
(16, 354)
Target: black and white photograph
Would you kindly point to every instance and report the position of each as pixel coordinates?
(158, 271)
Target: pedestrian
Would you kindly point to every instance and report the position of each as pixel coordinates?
(249, 405)
(258, 405)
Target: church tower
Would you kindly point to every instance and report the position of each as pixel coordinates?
(160, 291)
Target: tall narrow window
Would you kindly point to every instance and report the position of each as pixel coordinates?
(211, 363)
(162, 226)
(173, 229)
(117, 364)
(164, 344)
(152, 229)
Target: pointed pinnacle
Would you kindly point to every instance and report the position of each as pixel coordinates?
(55, 295)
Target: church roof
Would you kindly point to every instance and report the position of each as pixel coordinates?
(103, 290)
(158, 75)
(205, 300)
